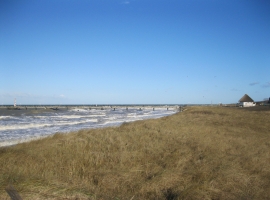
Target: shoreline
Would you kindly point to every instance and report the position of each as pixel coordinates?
(33, 112)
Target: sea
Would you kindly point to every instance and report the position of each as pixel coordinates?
(23, 125)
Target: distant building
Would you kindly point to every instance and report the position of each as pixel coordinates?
(246, 101)
(265, 102)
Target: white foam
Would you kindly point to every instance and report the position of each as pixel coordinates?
(114, 122)
(6, 117)
(79, 110)
(16, 129)
(29, 126)
(71, 116)
(22, 126)
(76, 122)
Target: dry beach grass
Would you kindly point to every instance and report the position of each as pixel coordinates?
(201, 153)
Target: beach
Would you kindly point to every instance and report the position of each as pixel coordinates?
(201, 153)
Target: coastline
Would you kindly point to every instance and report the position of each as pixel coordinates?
(67, 113)
(201, 152)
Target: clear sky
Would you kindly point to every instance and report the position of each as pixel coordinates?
(134, 51)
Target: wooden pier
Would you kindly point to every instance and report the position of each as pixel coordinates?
(92, 107)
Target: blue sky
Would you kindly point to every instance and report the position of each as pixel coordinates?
(134, 51)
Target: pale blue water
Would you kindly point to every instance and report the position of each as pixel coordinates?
(23, 125)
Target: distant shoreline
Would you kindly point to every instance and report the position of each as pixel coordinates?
(89, 107)
(108, 105)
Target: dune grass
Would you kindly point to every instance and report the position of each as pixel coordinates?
(201, 153)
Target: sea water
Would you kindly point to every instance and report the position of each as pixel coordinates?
(23, 125)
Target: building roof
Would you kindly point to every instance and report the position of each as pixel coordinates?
(246, 98)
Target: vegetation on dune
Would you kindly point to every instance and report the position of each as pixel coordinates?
(201, 153)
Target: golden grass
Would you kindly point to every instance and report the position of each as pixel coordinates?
(201, 153)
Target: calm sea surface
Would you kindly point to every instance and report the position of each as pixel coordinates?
(23, 125)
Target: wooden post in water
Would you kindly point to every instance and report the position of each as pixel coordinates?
(14, 195)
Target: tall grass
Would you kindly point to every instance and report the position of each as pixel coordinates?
(201, 153)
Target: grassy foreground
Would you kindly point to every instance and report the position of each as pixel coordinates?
(201, 153)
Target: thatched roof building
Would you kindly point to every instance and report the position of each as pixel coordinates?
(246, 98)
